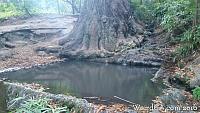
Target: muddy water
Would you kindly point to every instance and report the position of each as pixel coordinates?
(84, 79)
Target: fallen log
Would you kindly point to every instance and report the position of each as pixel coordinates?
(124, 100)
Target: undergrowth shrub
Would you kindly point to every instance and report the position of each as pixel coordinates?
(189, 43)
(174, 14)
(144, 12)
(176, 17)
(196, 93)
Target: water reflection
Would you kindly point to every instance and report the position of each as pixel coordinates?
(85, 79)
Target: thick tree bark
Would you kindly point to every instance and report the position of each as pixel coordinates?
(101, 25)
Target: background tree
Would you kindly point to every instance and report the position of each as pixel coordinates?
(58, 6)
(75, 4)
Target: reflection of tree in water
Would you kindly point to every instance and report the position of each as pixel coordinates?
(92, 79)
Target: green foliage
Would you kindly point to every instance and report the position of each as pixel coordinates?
(190, 41)
(176, 17)
(44, 106)
(196, 93)
(24, 7)
(180, 65)
(174, 14)
(143, 11)
(8, 10)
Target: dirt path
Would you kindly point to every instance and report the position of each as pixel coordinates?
(23, 53)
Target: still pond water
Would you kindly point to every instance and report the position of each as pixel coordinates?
(86, 79)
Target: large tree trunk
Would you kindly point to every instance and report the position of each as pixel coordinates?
(101, 25)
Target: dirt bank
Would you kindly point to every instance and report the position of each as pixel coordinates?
(21, 38)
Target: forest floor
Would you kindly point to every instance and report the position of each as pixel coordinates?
(31, 34)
